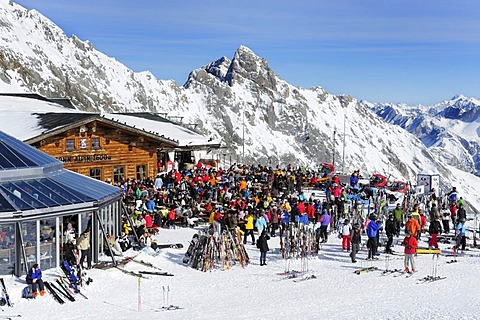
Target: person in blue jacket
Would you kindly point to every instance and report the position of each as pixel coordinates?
(460, 239)
(372, 231)
(34, 278)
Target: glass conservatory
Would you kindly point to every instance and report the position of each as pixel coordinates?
(39, 198)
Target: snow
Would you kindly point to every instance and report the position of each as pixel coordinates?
(256, 292)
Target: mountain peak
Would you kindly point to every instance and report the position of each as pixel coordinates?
(459, 97)
(247, 66)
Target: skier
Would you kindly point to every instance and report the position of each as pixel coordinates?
(248, 228)
(262, 244)
(390, 230)
(461, 213)
(356, 240)
(410, 243)
(452, 196)
(372, 231)
(412, 225)
(346, 230)
(434, 229)
(354, 178)
(34, 278)
(460, 235)
(398, 214)
(261, 223)
(445, 218)
(324, 223)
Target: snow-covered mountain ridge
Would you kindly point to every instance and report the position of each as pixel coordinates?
(258, 116)
(449, 129)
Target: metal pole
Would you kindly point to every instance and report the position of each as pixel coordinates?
(343, 158)
(243, 148)
(333, 149)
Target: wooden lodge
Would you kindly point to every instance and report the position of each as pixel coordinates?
(101, 148)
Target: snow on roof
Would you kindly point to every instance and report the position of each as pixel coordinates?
(19, 118)
(186, 137)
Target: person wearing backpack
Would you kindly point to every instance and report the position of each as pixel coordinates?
(435, 229)
(453, 195)
(34, 278)
(262, 244)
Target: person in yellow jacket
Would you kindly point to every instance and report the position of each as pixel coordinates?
(286, 206)
(248, 228)
(83, 244)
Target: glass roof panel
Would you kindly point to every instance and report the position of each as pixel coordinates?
(21, 152)
(15, 197)
(5, 206)
(72, 195)
(34, 197)
(90, 187)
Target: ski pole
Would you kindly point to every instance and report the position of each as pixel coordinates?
(139, 295)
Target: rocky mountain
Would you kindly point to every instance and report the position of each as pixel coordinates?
(257, 115)
(449, 129)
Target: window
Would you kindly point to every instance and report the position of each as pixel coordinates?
(118, 174)
(96, 173)
(142, 172)
(83, 143)
(95, 143)
(70, 144)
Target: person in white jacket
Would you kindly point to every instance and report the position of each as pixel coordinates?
(346, 230)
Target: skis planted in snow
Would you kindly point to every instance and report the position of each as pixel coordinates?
(54, 293)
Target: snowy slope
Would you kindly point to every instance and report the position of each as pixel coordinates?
(257, 292)
(241, 102)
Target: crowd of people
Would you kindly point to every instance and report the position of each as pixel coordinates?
(254, 200)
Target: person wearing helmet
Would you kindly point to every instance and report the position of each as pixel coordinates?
(410, 243)
(372, 231)
(356, 239)
(390, 230)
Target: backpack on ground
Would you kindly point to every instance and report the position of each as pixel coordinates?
(27, 292)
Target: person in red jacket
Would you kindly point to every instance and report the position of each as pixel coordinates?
(410, 243)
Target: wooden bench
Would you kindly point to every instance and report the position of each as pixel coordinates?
(45, 253)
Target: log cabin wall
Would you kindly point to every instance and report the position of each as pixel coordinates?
(104, 152)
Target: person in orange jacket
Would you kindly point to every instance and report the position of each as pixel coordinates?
(412, 225)
(410, 243)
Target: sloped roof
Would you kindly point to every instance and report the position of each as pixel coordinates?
(33, 183)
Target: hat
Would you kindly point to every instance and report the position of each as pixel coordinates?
(69, 226)
(408, 232)
(356, 226)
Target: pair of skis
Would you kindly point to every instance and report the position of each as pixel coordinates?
(365, 270)
(428, 279)
(5, 294)
(54, 291)
(402, 273)
(388, 272)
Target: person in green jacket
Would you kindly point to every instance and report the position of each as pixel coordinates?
(398, 214)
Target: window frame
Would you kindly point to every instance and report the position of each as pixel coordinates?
(67, 148)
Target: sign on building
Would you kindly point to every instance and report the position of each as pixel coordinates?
(429, 182)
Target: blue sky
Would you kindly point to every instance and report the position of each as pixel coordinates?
(417, 52)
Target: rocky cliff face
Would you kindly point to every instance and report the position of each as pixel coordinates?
(258, 116)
